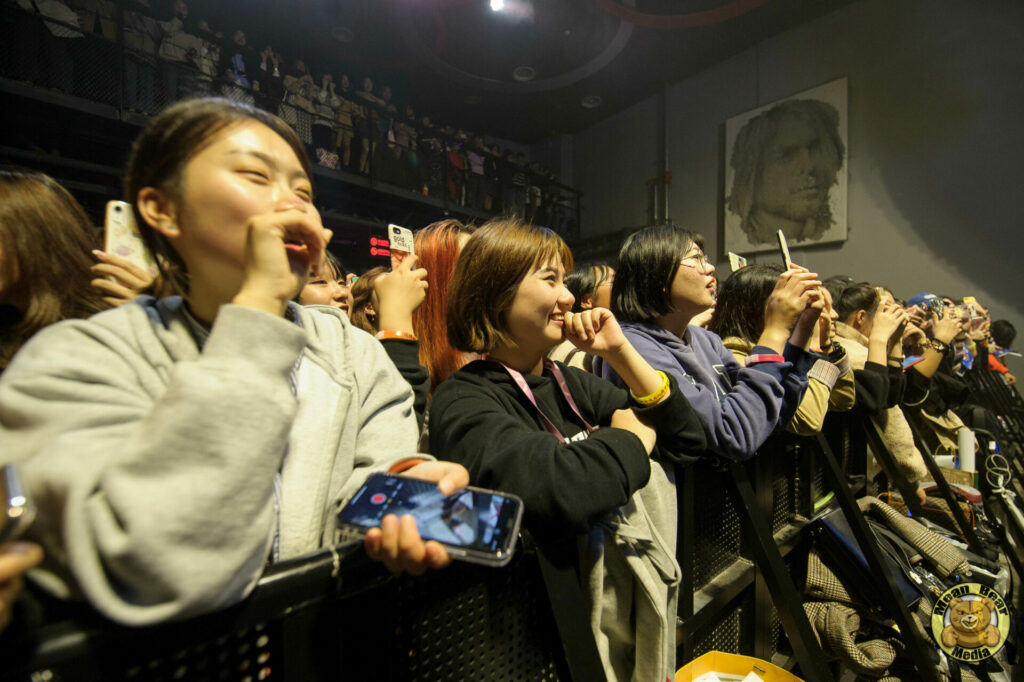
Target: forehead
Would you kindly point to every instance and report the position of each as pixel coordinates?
(794, 131)
(256, 138)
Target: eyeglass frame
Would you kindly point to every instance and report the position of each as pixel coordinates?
(701, 257)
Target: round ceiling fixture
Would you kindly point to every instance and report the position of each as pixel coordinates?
(591, 101)
(524, 73)
(342, 34)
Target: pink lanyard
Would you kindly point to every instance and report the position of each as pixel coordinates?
(560, 379)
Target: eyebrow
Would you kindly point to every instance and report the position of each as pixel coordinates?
(269, 160)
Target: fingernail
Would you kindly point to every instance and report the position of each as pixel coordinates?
(98, 253)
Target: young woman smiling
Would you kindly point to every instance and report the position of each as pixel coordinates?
(662, 282)
(577, 449)
(174, 446)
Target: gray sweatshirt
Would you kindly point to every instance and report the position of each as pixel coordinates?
(153, 463)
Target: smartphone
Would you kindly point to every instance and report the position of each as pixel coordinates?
(400, 242)
(736, 261)
(784, 247)
(121, 237)
(475, 525)
(19, 513)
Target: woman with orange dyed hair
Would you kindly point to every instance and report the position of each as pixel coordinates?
(438, 246)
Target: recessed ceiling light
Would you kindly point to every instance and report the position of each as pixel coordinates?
(524, 73)
(591, 101)
(342, 34)
(497, 5)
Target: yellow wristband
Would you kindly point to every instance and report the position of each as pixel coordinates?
(655, 397)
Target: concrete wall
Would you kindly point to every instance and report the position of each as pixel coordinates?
(936, 88)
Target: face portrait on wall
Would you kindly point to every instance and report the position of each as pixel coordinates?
(785, 171)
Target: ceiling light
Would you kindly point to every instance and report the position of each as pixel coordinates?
(524, 73)
(591, 101)
(497, 5)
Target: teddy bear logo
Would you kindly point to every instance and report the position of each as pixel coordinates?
(970, 624)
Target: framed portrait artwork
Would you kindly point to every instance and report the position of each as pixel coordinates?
(786, 169)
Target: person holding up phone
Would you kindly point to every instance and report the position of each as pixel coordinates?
(664, 280)
(575, 448)
(173, 447)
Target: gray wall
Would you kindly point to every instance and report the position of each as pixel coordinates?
(936, 91)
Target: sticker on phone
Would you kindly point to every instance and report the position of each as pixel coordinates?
(401, 244)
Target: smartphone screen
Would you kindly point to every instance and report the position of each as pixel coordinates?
(121, 237)
(474, 524)
(400, 242)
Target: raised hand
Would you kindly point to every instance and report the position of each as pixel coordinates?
(595, 331)
(789, 299)
(281, 249)
(399, 293)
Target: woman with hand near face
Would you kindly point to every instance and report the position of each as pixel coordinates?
(175, 446)
(870, 328)
(663, 281)
(577, 449)
(739, 320)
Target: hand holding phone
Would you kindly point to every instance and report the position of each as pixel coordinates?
(475, 525)
(400, 243)
(122, 238)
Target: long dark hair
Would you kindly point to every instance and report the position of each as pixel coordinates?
(169, 142)
(648, 261)
(739, 310)
(46, 240)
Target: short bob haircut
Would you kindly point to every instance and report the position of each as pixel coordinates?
(586, 281)
(163, 149)
(739, 310)
(487, 275)
(648, 261)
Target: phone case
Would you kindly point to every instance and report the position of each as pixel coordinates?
(122, 238)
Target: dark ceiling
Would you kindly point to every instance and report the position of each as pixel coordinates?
(455, 59)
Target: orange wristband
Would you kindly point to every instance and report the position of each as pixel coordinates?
(406, 464)
(385, 334)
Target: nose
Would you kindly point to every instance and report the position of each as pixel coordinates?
(285, 199)
(566, 299)
(338, 292)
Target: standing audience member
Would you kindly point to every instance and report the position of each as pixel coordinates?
(662, 282)
(438, 246)
(44, 48)
(326, 287)
(45, 244)
(575, 448)
(164, 400)
(141, 37)
(739, 320)
(870, 329)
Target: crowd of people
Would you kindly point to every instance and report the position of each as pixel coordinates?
(344, 122)
(176, 444)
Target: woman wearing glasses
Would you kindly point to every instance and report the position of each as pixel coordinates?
(663, 281)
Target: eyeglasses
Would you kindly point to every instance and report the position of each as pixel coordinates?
(699, 262)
